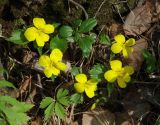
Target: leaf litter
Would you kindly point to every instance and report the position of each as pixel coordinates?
(136, 24)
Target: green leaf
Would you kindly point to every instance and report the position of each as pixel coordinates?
(62, 93)
(56, 42)
(15, 105)
(39, 49)
(65, 31)
(85, 45)
(15, 118)
(70, 39)
(4, 83)
(2, 122)
(49, 110)
(77, 37)
(77, 98)
(59, 110)
(62, 96)
(93, 35)
(112, 55)
(110, 88)
(77, 23)
(14, 110)
(87, 25)
(64, 100)
(56, 25)
(23, 107)
(104, 39)
(97, 72)
(150, 61)
(45, 102)
(75, 70)
(17, 37)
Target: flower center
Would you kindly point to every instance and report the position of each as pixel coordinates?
(120, 73)
(39, 31)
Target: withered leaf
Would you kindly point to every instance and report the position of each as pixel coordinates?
(135, 58)
(139, 19)
(115, 29)
(98, 117)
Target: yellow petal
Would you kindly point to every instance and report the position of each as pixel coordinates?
(81, 78)
(129, 70)
(61, 66)
(130, 42)
(31, 33)
(44, 61)
(56, 55)
(42, 38)
(92, 82)
(90, 93)
(55, 71)
(79, 87)
(91, 87)
(116, 48)
(121, 83)
(40, 42)
(48, 72)
(125, 53)
(127, 78)
(110, 76)
(120, 39)
(48, 28)
(39, 23)
(116, 65)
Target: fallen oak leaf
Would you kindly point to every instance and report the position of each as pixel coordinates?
(135, 58)
(139, 19)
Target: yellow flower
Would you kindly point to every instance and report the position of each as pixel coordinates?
(52, 64)
(123, 45)
(39, 32)
(82, 85)
(119, 73)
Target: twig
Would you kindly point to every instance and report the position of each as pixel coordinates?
(99, 8)
(72, 112)
(80, 6)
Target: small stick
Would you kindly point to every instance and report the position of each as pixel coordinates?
(72, 112)
(80, 6)
(100, 7)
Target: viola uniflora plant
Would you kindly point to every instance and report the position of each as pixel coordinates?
(123, 45)
(84, 85)
(39, 31)
(52, 64)
(119, 73)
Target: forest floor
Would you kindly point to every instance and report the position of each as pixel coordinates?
(137, 104)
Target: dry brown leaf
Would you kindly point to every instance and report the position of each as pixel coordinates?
(115, 29)
(24, 86)
(74, 123)
(31, 96)
(98, 117)
(130, 122)
(139, 20)
(27, 56)
(37, 121)
(157, 5)
(135, 58)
